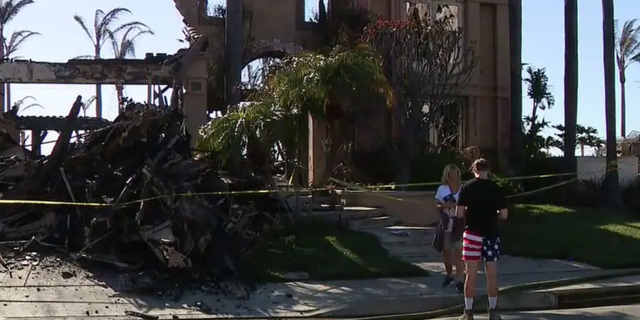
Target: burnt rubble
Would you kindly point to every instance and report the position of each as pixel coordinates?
(141, 174)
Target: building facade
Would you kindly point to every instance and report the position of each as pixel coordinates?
(276, 28)
(485, 120)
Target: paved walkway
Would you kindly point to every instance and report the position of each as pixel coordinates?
(413, 244)
(604, 313)
(46, 293)
(51, 288)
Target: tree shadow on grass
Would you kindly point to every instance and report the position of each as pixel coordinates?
(325, 251)
(599, 237)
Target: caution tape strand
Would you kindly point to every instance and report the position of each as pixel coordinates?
(368, 189)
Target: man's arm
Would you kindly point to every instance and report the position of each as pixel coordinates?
(503, 211)
(461, 206)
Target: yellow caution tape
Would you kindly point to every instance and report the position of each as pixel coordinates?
(369, 189)
(426, 184)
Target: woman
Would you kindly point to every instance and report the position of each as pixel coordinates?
(450, 228)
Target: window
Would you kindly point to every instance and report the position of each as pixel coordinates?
(447, 127)
(195, 86)
(426, 8)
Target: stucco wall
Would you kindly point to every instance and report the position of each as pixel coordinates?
(412, 208)
(593, 168)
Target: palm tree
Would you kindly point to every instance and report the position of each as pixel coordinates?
(515, 58)
(609, 62)
(124, 48)
(585, 137)
(103, 30)
(538, 90)
(570, 81)
(9, 9)
(332, 88)
(627, 52)
(11, 47)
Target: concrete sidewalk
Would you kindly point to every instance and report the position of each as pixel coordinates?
(60, 290)
(604, 313)
(47, 287)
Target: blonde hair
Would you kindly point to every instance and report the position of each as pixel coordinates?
(447, 170)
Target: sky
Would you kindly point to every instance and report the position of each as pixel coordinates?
(543, 46)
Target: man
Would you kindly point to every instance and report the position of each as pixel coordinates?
(481, 203)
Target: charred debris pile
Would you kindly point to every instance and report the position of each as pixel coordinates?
(141, 173)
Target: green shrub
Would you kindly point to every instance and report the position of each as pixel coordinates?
(428, 168)
(509, 187)
(630, 194)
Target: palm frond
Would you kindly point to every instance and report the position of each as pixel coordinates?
(85, 57)
(20, 104)
(87, 103)
(132, 24)
(10, 9)
(126, 46)
(103, 25)
(16, 40)
(627, 43)
(83, 25)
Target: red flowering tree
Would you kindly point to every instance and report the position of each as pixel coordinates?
(428, 66)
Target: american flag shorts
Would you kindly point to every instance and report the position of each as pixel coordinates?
(475, 246)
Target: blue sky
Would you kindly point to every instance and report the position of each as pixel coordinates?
(543, 46)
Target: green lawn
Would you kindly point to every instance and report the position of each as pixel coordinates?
(599, 237)
(325, 252)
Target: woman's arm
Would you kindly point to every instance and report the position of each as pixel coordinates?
(439, 199)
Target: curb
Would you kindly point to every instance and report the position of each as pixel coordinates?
(520, 301)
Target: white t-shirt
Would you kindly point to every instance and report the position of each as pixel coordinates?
(442, 193)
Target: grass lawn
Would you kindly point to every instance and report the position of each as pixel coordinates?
(598, 237)
(325, 252)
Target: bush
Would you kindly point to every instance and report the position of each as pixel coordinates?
(509, 187)
(428, 168)
(630, 194)
(371, 167)
(579, 193)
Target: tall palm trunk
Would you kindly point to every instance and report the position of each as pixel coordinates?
(608, 46)
(2, 53)
(120, 95)
(515, 57)
(623, 104)
(98, 88)
(7, 93)
(234, 47)
(234, 52)
(570, 82)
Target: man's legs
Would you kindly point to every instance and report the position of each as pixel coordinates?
(471, 254)
(470, 284)
(491, 255)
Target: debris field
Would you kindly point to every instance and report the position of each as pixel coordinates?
(142, 195)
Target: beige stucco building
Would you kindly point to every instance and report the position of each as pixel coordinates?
(275, 28)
